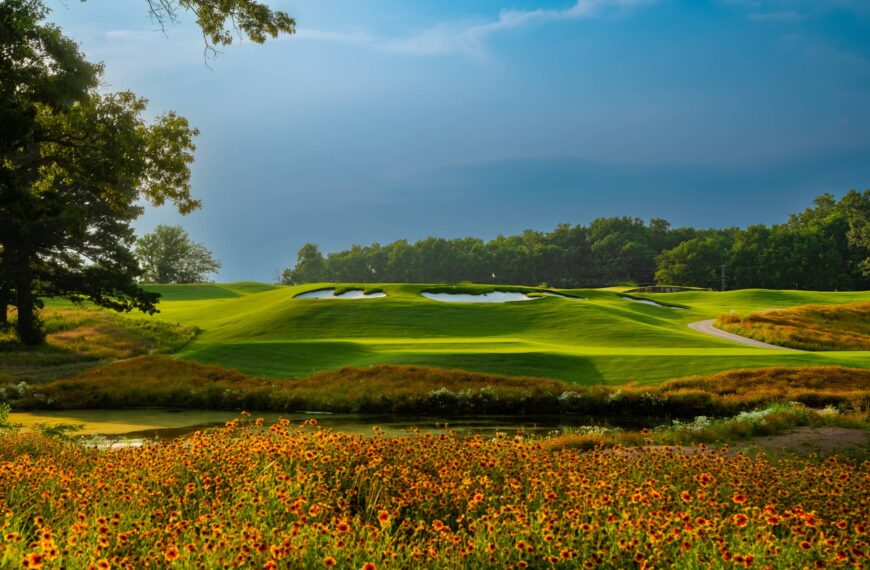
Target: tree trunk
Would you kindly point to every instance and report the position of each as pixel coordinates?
(4, 313)
(28, 328)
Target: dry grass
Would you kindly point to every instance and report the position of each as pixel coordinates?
(161, 381)
(808, 327)
(78, 339)
(814, 386)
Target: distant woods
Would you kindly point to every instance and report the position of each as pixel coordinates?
(826, 247)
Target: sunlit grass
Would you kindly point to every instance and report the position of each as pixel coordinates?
(601, 339)
(807, 327)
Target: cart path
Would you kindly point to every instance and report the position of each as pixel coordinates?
(708, 328)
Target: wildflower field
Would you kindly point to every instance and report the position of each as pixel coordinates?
(289, 496)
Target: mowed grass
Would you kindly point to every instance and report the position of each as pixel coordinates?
(262, 330)
(808, 327)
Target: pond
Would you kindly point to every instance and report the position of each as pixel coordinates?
(137, 425)
(330, 294)
(491, 297)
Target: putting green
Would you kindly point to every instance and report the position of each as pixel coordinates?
(605, 338)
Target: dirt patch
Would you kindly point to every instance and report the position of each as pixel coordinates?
(824, 441)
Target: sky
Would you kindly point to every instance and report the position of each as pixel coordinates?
(389, 119)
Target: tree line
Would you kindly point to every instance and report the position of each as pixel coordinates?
(826, 247)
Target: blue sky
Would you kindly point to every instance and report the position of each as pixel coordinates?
(391, 119)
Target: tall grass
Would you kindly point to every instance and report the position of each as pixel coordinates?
(80, 338)
(808, 327)
(165, 382)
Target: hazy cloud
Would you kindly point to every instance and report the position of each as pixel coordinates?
(784, 16)
(471, 37)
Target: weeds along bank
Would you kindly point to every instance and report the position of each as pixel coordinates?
(292, 497)
(157, 381)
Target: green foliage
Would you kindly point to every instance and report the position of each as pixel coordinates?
(168, 255)
(609, 251)
(5, 426)
(74, 163)
(695, 262)
(824, 248)
(220, 20)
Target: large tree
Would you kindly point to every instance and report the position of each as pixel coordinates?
(168, 255)
(74, 165)
(221, 20)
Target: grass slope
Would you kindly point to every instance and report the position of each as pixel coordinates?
(604, 338)
(808, 327)
(78, 339)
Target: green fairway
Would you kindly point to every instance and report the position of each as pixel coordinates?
(604, 338)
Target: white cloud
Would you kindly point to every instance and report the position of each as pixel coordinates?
(471, 38)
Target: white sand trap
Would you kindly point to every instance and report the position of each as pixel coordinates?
(330, 294)
(650, 302)
(491, 297)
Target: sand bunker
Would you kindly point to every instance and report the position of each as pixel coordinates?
(330, 294)
(491, 297)
(649, 302)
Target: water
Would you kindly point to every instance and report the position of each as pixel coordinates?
(491, 297)
(135, 426)
(330, 294)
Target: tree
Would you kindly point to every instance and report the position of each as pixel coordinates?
(696, 262)
(858, 211)
(168, 255)
(74, 165)
(310, 266)
(219, 20)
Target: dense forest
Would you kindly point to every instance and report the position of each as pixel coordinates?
(826, 247)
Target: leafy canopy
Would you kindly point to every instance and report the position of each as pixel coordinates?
(168, 255)
(74, 164)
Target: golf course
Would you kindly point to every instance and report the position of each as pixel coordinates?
(582, 336)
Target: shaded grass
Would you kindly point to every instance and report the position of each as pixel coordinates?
(81, 338)
(808, 327)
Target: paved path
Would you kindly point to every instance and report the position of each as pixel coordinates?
(708, 328)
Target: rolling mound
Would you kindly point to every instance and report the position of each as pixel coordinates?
(601, 338)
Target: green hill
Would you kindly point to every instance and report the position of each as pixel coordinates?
(604, 338)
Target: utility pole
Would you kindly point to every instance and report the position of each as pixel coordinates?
(723, 276)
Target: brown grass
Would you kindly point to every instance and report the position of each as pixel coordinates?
(78, 339)
(165, 382)
(808, 327)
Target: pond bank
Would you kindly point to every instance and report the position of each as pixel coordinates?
(165, 423)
